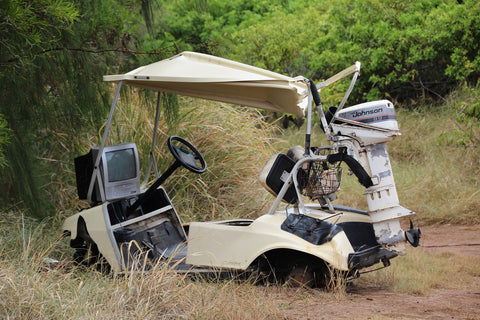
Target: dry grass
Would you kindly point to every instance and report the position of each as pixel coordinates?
(436, 175)
(421, 272)
(71, 293)
(235, 142)
(33, 288)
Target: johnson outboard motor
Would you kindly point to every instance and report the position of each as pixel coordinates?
(362, 132)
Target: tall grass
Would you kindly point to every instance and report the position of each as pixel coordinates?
(435, 160)
(435, 163)
(234, 141)
(34, 288)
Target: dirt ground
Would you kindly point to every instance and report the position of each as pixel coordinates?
(369, 302)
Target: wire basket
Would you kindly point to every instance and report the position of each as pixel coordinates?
(322, 180)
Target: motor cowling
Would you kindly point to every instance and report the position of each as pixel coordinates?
(379, 114)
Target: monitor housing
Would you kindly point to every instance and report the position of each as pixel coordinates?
(117, 175)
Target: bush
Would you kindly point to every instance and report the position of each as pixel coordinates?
(406, 48)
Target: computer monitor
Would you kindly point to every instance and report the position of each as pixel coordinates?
(119, 171)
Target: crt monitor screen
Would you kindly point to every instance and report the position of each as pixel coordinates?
(121, 165)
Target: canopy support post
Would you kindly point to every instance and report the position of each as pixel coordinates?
(96, 170)
(151, 158)
(308, 134)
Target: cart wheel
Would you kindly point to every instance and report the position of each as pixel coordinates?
(301, 275)
(309, 274)
(87, 255)
(79, 255)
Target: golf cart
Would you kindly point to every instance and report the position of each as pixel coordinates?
(129, 227)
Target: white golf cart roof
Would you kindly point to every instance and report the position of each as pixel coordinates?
(213, 78)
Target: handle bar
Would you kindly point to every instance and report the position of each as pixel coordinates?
(340, 75)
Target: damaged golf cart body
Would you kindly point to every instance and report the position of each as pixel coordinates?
(125, 220)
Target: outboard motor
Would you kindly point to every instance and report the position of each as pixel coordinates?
(362, 131)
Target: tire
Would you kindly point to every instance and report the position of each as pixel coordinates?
(301, 275)
(87, 255)
(308, 274)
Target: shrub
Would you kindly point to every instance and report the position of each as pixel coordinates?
(407, 49)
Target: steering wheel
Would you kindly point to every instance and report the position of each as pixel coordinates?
(186, 154)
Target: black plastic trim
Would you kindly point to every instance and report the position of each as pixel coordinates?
(369, 256)
(313, 230)
(360, 234)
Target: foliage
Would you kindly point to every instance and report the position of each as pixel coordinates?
(466, 101)
(30, 29)
(206, 26)
(258, 43)
(56, 53)
(5, 136)
(406, 48)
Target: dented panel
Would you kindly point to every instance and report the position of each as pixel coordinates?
(217, 244)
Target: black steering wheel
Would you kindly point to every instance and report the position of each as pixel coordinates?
(186, 154)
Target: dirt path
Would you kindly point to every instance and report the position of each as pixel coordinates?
(370, 302)
(460, 239)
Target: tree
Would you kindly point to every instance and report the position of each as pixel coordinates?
(54, 54)
(5, 135)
